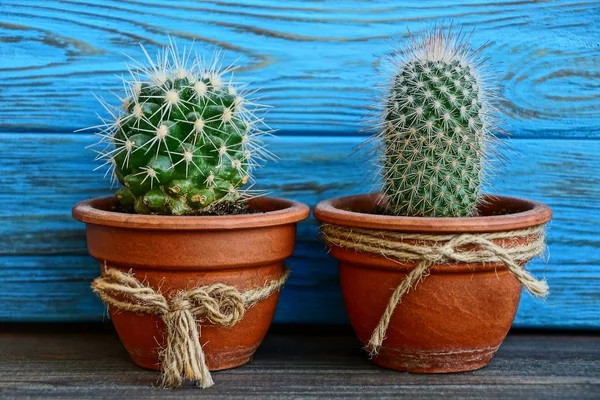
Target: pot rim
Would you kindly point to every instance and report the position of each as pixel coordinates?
(337, 211)
(95, 211)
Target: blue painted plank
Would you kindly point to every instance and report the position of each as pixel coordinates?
(45, 272)
(315, 61)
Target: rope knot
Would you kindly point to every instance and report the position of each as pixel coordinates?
(179, 304)
(218, 304)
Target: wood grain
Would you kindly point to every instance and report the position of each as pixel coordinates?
(95, 366)
(316, 61)
(45, 270)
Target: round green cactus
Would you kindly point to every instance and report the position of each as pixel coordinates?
(435, 130)
(186, 138)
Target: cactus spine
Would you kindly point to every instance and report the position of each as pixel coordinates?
(186, 138)
(436, 126)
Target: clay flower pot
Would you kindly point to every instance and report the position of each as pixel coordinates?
(173, 254)
(457, 314)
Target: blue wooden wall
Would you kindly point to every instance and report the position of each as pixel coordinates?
(316, 63)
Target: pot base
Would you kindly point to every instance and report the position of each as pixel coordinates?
(229, 362)
(435, 362)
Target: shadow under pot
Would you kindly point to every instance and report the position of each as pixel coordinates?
(433, 295)
(168, 279)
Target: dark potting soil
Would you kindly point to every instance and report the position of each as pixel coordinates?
(219, 209)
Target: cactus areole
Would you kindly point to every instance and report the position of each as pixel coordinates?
(185, 139)
(436, 124)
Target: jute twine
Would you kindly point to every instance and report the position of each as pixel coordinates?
(427, 250)
(218, 304)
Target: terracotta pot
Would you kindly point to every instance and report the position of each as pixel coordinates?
(172, 253)
(454, 319)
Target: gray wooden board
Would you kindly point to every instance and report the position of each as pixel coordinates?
(73, 365)
(45, 271)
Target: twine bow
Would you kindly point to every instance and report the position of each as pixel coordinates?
(218, 304)
(427, 250)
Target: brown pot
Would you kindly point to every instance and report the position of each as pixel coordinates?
(454, 319)
(172, 253)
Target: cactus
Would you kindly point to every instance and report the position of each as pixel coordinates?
(186, 139)
(437, 125)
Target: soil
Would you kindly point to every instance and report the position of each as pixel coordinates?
(219, 209)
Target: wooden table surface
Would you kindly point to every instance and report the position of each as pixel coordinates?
(89, 363)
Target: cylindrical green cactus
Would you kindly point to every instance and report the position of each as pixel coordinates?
(435, 129)
(186, 139)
